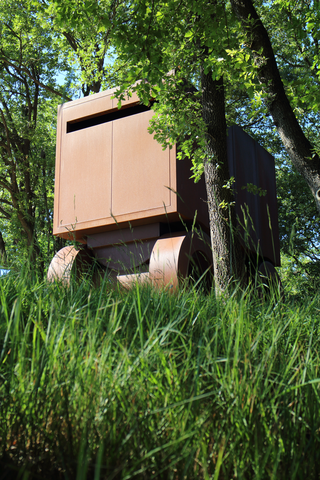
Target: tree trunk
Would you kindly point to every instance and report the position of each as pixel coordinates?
(228, 263)
(295, 142)
(3, 253)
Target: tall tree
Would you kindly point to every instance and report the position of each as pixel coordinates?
(29, 61)
(205, 42)
(190, 102)
(300, 150)
(86, 46)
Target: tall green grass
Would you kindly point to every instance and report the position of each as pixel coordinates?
(102, 383)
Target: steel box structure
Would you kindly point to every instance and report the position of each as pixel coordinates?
(119, 193)
(111, 172)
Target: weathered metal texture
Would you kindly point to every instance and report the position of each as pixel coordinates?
(174, 256)
(249, 163)
(129, 280)
(172, 260)
(116, 190)
(110, 171)
(126, 248)
(67, 260)
(125, 257)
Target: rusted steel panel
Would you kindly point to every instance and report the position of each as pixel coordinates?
(249, 163)
(110, 171)
(85, 184)
(192, 197)
(111, 175)
(124, 235)
(140, 168)
(125, 257)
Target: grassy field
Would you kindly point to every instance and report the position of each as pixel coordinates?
(108, 384)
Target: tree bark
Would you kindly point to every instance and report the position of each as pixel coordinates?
(228, 263)
(3, 253)
(298, 147)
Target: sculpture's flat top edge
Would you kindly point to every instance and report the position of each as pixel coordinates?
(93, 97)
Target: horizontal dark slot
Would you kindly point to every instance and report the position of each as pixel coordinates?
(104, 118)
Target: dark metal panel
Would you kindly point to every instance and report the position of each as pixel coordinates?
(257, 215)
(124, 235)
(192, 197)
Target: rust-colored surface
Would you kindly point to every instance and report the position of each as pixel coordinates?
(61, 264)
(172, 260)
(249, 163)
(124, 235)
(110, 171)
(117, 191)
(125, 257)
(84, 185)
(187, 206)
(125, 249)
(141, 170)
(168, 260)
(172, 257)
(67, 260)
(128, 281)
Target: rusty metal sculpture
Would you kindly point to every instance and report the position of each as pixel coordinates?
(129, 202)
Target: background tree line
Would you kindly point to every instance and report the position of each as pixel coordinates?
(254, 63)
